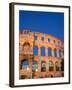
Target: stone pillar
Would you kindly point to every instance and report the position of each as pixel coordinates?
(46, 51)
(52, 51)
(30, 67)
(39, 67)
(39, 51)
(54, 67)
(39, 61)
(57, 53)
(46, 65)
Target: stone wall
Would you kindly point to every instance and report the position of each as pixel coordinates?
(27, 41)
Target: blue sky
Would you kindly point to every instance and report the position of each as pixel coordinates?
(46, 22)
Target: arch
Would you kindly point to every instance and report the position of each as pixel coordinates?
(42, 38)
(62, 65)
(35, 50)
(42, 51)
(51, 76)
(26, 48)
(49, 51)
(26, 43)
(35, 37)
(50, 63)
(57, 66)
(51, 66)
(56, 63)
(43, 66)
(34, 65)
(25, 64)
(55, 52)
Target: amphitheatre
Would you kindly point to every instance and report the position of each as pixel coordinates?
(40, 55)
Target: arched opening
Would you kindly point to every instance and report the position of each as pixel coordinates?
(25, 64)
(51, 76)
(57, 66)
(35, 50)
(43, 66)
(51, 67)
(35, 37)
(26, 48)
(42, 38)
(59, 53)
(62, 65)
(49, 52)
(49, 40)
(55, 52)
(26, 43)
(34, 66)
(42, 51)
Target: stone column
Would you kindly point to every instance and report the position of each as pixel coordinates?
(54, 66)
(39, 67)
(52, 51)
(30, 67)
(57, 53)
(46, 51)
(39, 51)
(46, 65)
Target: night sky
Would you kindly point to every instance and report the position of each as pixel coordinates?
(47, 22)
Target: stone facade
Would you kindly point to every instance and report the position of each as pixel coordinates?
(27, 40)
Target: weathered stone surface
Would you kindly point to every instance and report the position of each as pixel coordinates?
(26, 43)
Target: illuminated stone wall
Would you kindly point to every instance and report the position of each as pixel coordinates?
(27, 40)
